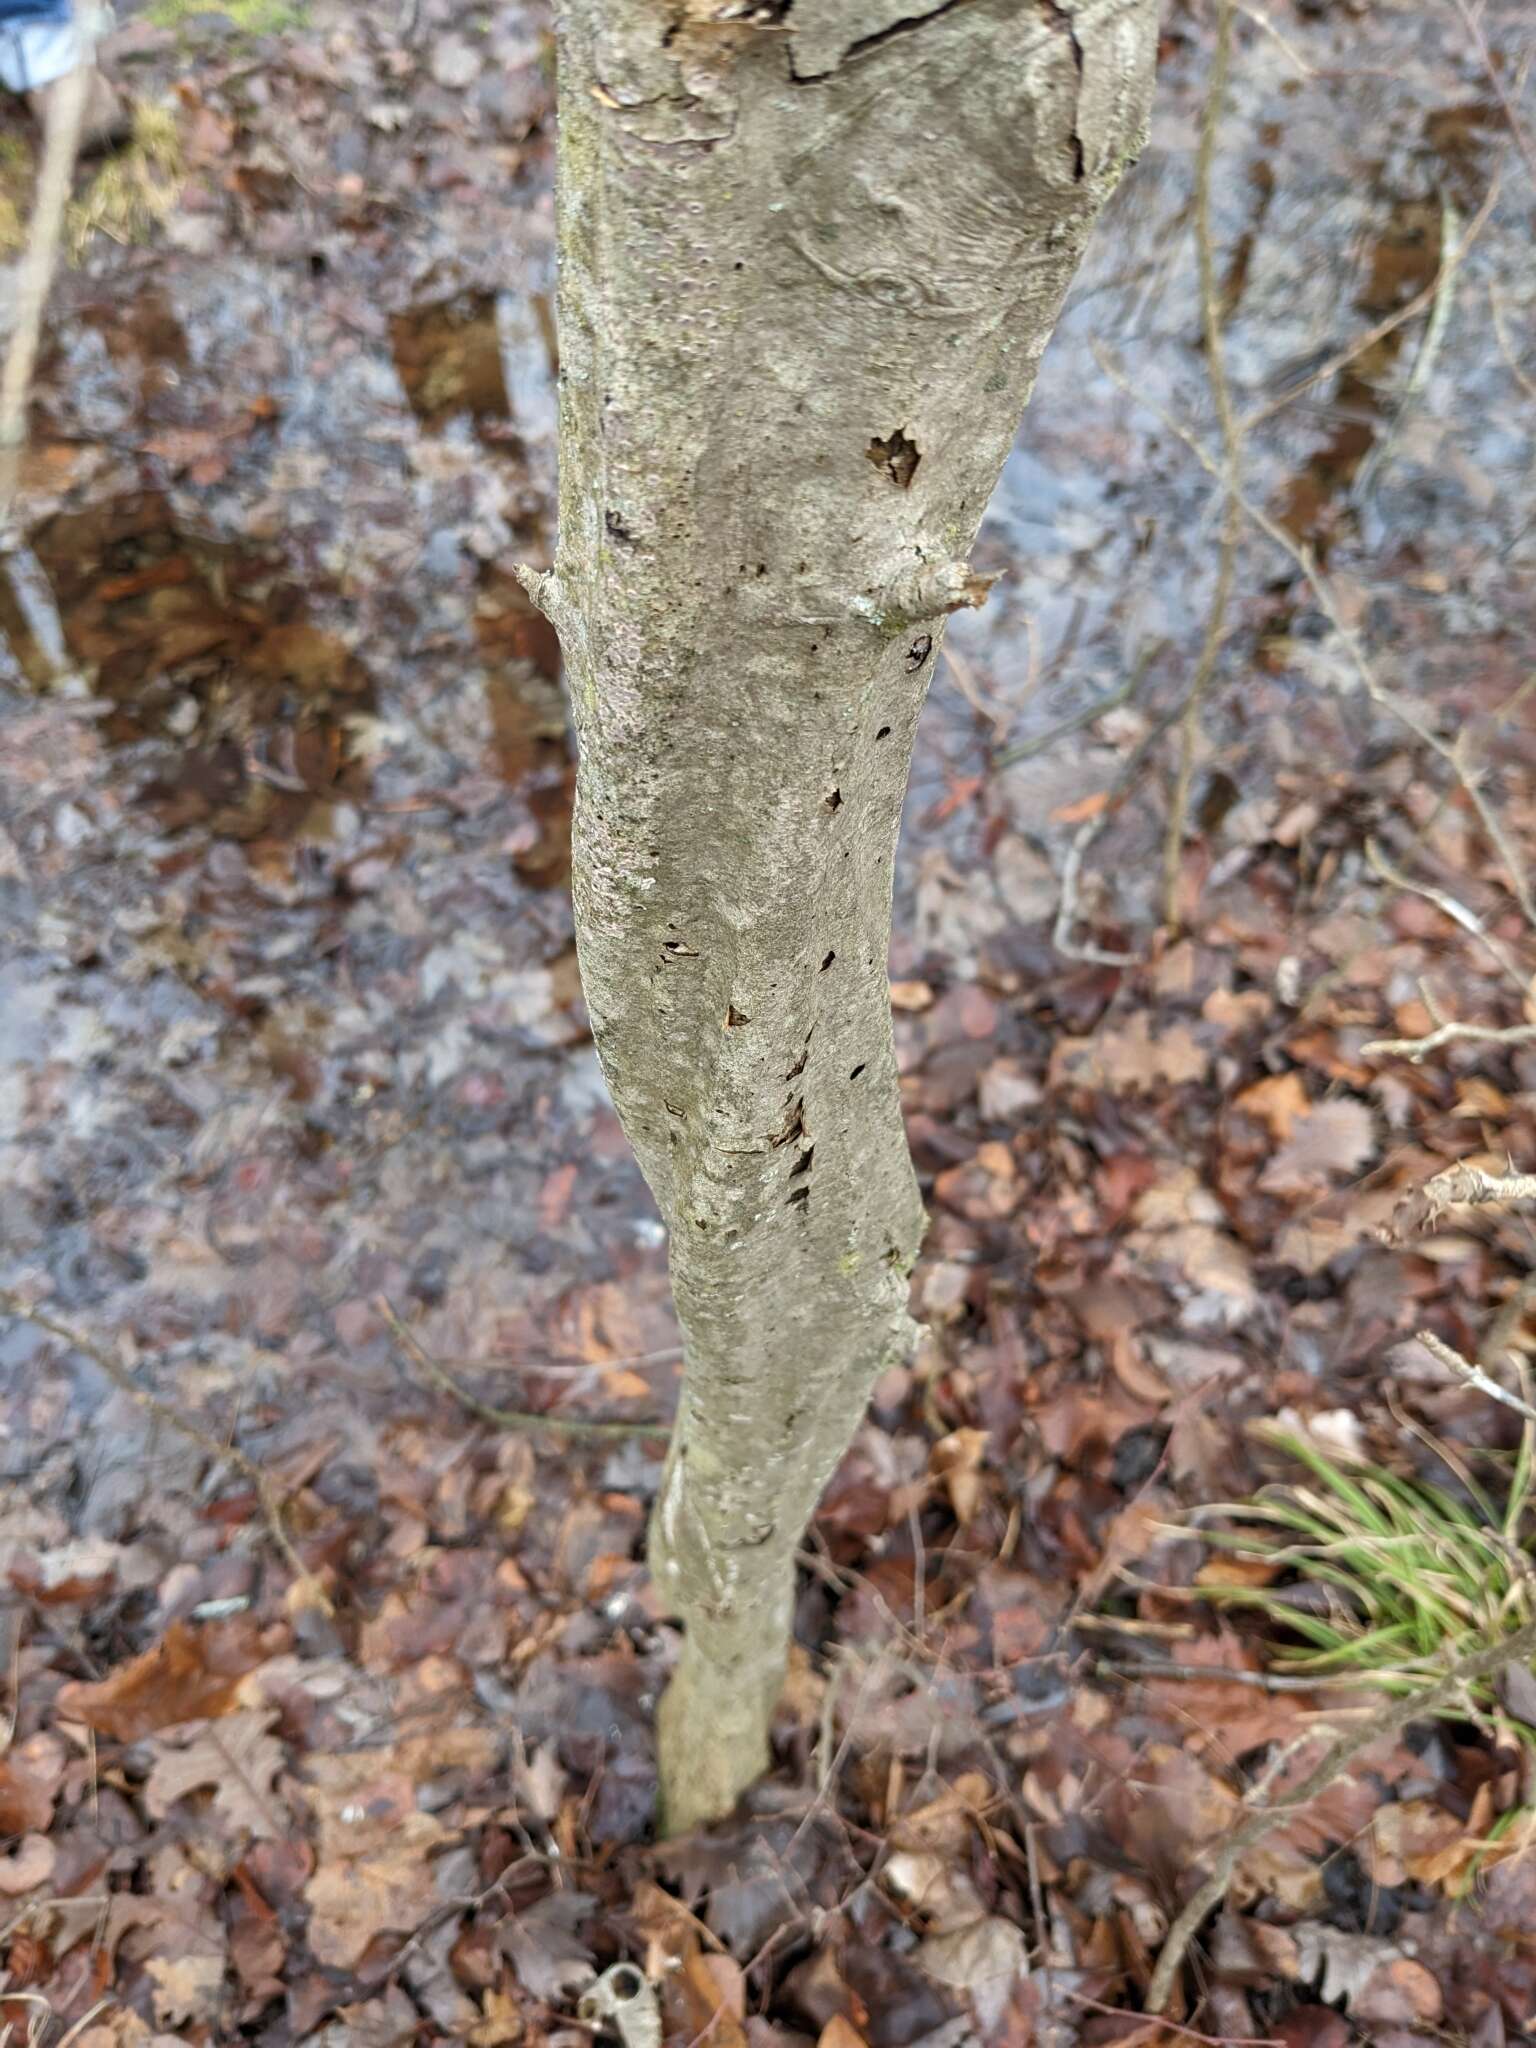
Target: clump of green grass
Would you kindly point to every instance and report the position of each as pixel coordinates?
(251, 17)
(1391, 1580)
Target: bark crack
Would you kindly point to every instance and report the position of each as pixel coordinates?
(903, 27)
(1060, 18)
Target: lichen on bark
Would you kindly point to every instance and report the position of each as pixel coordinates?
(787, 237)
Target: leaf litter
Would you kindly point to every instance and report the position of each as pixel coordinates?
(289, 1026)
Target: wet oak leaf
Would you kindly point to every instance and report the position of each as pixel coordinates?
(192, 1674)
(237, 1758)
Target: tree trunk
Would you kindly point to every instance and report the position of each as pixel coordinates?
(811, 252)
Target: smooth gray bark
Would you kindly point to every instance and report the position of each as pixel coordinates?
(810, 256)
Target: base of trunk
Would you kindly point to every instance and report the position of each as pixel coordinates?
(712, 1734)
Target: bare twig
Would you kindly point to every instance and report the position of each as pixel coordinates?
(267, 1492)
(1526, 382)
(1428, 353)
(1499, 1344)
(1416, 1050)
(508, 1418)
(1452, 752)
(1422, 1208)
(1454, 909)
(1517, 1647)
(61, 145)
(1231, 443)
(1216, 1674)
(1026, 750)
(1472, 1374)
(1419, 303)
(1517, 127)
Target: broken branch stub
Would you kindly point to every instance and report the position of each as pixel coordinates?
(808, 266)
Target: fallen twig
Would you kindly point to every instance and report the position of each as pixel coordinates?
(1231, 443)
(1217, 1674)
(1398, 1713)
(509, 1418)
(1472, 1374)
(1416, 1050)
(1428, 353)
(1111, 700)
(1419, 303)
(1526, 382)
(267, 1492)
(1517, 129)
(1422, 1208)
(1450, 751)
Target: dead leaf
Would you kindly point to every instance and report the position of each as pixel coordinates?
(1279, 1100)
(957, 1459)
(840, 2033)
(29, 1781)
(545, 1945)
(1333, 1140)
(187, 1988)
(28, 1867)
(190, 1675)
(374, 1874)
(984, 1960)
(239, 1759)
(501, 2025)
(1375, 1980)
(1132, 1059)
(911, 995)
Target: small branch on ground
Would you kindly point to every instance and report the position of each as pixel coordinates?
(1454, 909)
(1419, 303)
(1231, 443)
(1526, 382)
(1422, 1208)
(1452, 752)
(1090, 714)
(1383, 450)
(1518, 1647)
(508, 1418)
(267, 1492)
(1416, 1050)
(1472, 1374)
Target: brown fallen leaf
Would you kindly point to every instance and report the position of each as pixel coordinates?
(840, 2033)
(190, 1675)
(1332, 1141)
(29, 1782)
(1279, 1100)
(238, 1759)
(374, 1874)
(957, 1460)
(187, 1989)
(29, 1866)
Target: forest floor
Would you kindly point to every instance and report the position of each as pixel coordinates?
(329, 1696)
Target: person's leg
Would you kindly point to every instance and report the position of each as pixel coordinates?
(39, 44)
